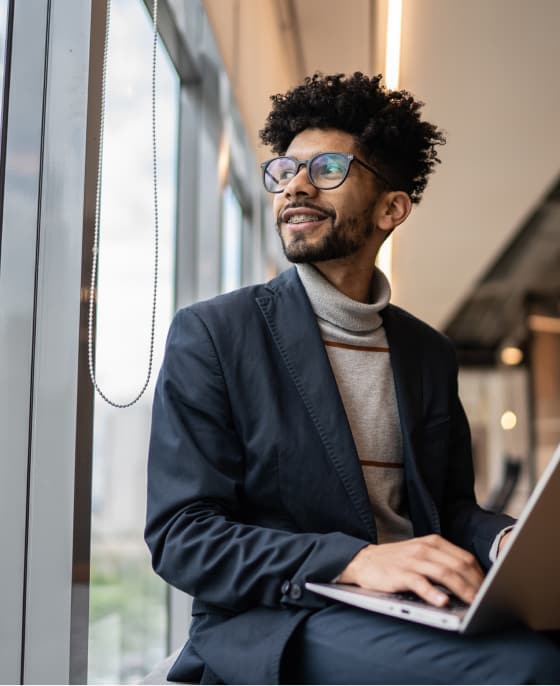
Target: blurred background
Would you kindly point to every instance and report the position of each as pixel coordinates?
(478, 259)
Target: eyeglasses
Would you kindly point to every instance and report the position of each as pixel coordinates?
(325, 171)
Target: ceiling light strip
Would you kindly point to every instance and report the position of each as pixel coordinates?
(392, 69)
(393, 44)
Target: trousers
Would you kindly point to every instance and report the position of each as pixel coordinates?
(345, 645)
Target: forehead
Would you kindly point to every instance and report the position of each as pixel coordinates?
(313, 141)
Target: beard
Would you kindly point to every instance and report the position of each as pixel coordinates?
(340, 240)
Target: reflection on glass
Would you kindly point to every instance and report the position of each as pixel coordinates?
(128, 613)
(3, 26)
(232, 227)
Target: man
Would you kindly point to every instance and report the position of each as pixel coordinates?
(307, 430)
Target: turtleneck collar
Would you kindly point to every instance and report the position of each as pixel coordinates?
(338, 309)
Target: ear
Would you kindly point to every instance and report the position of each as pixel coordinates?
(394, 208)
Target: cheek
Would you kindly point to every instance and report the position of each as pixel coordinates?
(347, 201)
(360, 207)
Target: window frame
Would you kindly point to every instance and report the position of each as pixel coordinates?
(46, 398)
(41, 256)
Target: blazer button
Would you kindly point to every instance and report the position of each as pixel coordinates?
(295, 592)
(285, 588)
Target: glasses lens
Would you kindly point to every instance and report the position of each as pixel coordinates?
(278, 173)
(328, 170)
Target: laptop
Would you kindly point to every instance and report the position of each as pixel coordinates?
(522, 587)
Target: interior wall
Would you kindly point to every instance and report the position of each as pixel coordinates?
(252, 43)
(488, 72)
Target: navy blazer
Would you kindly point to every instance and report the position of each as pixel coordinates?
(254, 482)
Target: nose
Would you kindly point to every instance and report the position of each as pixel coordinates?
(299, 184)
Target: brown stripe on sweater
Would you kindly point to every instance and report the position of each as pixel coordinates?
(375, 463)
(365, 348)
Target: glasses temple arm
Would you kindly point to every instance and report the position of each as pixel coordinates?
(373, 170)
(267, 173)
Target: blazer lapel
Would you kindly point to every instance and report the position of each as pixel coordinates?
(293, 327)
(406, 362)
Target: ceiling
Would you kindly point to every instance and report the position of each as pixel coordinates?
(328, 35)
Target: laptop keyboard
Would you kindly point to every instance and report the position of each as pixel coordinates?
(454, 603)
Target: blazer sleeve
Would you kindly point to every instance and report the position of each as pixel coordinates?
(464, 521)
(195, 528)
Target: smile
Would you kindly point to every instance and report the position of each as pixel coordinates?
(303, 218)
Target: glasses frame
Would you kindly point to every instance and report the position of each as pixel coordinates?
(307, 164)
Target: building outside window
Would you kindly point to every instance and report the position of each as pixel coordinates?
(128, 603)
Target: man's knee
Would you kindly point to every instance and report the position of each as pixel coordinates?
(519, 657)
(542, 661)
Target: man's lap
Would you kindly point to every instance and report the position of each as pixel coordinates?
(345, 645)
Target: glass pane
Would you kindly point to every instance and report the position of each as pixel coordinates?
(232, 225)
(128, 608)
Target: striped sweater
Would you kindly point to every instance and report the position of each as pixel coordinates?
(358, 351)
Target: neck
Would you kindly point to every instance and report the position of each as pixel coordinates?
(353, 281)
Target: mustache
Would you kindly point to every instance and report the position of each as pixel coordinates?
(309, 205)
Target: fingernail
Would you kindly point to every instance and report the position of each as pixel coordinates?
(439, 598)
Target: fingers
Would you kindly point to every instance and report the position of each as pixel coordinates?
(424, 589)
(450, 578)
(416, 565)
(452, 567)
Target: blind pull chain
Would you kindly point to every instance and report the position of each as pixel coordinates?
(95, 249)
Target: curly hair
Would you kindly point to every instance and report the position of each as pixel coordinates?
(385, 124)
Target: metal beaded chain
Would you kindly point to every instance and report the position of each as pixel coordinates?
(95, 249)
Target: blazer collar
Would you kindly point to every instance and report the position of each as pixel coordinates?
(293, 327)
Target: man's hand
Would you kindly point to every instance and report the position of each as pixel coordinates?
(415, 565)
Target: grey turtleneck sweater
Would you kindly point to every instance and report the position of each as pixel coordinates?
(357, 348)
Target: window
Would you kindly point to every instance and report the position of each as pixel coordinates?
(65, 447)
(128, 603)
(232, 233)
